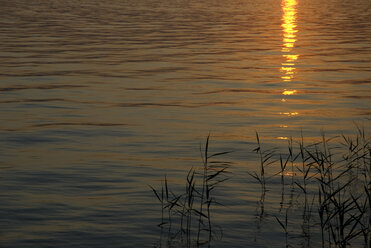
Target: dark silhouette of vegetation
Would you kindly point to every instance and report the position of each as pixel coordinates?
(189, 213)
(332, 177)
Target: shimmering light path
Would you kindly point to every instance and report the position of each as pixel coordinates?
(289, 27)
(98, 99)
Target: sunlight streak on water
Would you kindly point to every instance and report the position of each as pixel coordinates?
(289, 27)
(288, 67)
(101, 98)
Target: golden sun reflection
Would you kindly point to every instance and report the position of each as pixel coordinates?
(288, 173)
(289, 113)
(289, 38)
(288, 92)
(288, 65)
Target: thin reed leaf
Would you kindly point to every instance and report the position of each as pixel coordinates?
(155, 192)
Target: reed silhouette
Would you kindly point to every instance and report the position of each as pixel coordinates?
(330, 188)
(189, 218)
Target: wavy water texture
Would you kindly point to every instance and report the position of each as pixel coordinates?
(99, 98)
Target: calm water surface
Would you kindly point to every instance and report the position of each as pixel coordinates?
(98, 99)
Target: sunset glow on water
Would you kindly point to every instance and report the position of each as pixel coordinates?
(289, 38)
(99, 99)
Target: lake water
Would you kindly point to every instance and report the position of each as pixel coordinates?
(99, 99)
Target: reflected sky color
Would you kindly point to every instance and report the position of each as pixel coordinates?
(100, 99)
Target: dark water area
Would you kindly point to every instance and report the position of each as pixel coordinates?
(99, 99)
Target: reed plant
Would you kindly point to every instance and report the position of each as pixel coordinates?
(341, 173)
(284, 225)
(338, 173)
(189, 214)
(332, 177)
(265, 159)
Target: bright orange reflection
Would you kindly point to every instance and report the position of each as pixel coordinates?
(288, 65)
(289, 114)
(288, 92)
(289, 39)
